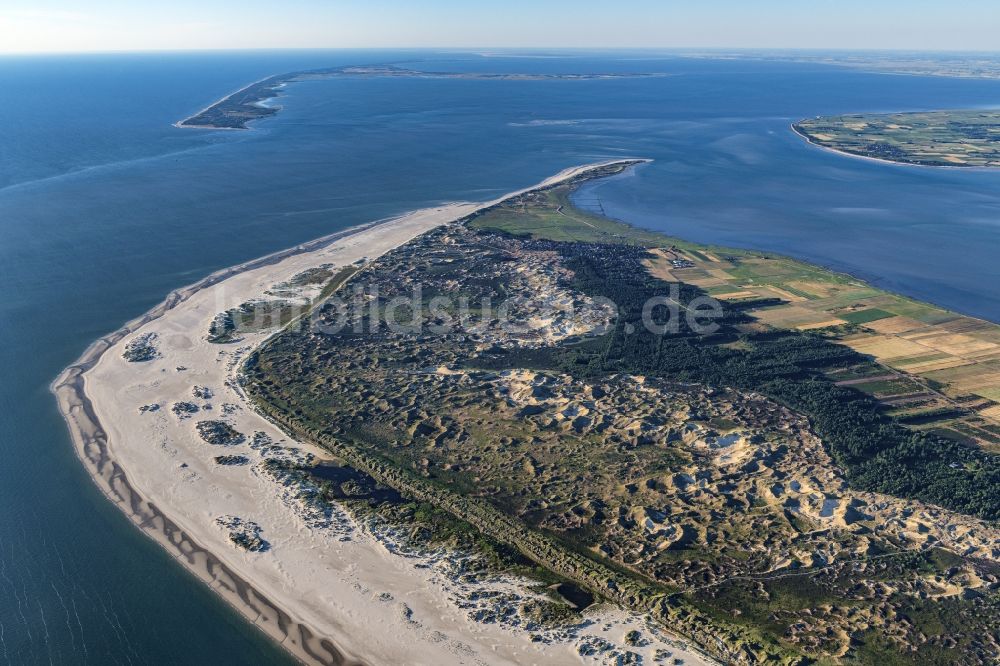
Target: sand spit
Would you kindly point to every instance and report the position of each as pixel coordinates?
(329, 590)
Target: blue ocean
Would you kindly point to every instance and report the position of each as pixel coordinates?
(105, 207)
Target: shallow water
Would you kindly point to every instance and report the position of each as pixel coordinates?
(104, 207)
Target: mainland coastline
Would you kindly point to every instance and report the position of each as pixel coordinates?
(961, 139)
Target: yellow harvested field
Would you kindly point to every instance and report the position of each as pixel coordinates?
(896, 324)
(794, 316)
(660, 268)
(961, 349)
(991, 413)
(931, 366)
(929, 333)
(955, 344)
(885, 347)
(818, 289)
(735, 294)
(974, 381)
(704, 282)
(820, 324)
(780, 313)
(984, 355)
(787, 295)
(975, 327)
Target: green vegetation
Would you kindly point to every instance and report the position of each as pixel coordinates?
(671, 474)
(285, 307)
(940, 138)
(865, 316)
(877, 453)
(550, 214)
(604, 580)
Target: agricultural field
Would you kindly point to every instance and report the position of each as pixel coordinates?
(938, 138)
(935, 369)
(943, 368)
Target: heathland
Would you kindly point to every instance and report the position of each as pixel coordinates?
(238, 109)
(273, 524)
(813, 478)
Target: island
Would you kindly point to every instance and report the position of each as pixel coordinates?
(957, 65)
(522, 432)
(237, 109)
(968, 138)
(160, 416)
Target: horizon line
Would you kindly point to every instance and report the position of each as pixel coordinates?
(250, 49)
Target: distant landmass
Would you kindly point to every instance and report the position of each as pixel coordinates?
(246, 104)
(954, 65)
(938, 138)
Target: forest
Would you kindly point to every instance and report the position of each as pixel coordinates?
(877, 453)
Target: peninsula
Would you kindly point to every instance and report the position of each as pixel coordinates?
(238, 109)
(813, 479)
(791, 486)
(160, 417)
(938, 138)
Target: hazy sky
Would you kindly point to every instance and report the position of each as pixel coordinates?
(110, 25)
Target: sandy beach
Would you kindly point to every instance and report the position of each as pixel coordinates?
(881, 160)
(329, 590)
(182, 124)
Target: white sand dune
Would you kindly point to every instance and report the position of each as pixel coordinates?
(331, 594)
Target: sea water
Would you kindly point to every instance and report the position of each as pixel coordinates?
(105, 207)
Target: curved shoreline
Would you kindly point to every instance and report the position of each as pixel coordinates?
(93, 446)
(183, 124)
(836, 151)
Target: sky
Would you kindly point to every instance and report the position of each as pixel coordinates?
(41, 26)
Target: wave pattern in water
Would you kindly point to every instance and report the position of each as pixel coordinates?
(149, 207)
